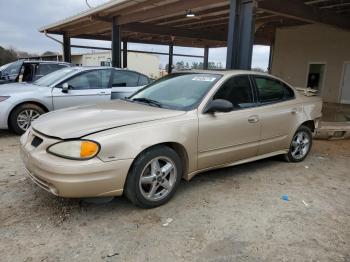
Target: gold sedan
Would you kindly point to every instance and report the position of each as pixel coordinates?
(174, 128)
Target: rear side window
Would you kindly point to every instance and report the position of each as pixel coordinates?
(271, 90)
(123, 78)
(143, 80)
(238, 91)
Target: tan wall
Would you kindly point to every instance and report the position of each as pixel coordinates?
(296, 47)
(147, 64)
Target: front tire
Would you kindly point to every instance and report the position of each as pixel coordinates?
(22, 116)
(154, 177)
(300, 145)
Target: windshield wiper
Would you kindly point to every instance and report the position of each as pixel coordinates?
(148, 101)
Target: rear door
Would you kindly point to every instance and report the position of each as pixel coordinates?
(124, 83)
(278, 113)
(88, 87)
(228, 137)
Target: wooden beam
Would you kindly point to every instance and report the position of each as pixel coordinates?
(93, 28)
(165, 10)
(296, 9)
(143, 6)
(171, 31)
(211, 25)
(199, 15)
(204, 21)
(100, 18)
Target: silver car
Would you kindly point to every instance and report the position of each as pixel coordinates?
(22, 103)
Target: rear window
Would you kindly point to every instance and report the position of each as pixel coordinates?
(143, 80)
(123, 78)
(45, 69)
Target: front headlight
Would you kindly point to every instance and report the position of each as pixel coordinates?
(3, 98)
(75, 149)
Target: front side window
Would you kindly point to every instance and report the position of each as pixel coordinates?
(271, 90)
(238, 91)
(179, 91)
(97, 79)
(122, 78)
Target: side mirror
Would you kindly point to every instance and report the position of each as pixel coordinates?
(219, 105)
(65, 88)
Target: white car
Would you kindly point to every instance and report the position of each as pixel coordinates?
(22, 103)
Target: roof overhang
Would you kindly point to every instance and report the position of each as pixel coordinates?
(164, 21)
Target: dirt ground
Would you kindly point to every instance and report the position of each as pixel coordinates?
(232, 214)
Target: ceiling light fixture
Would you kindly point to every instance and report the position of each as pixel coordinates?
(189, 13)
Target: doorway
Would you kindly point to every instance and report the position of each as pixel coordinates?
(345, 85)
(315, 76)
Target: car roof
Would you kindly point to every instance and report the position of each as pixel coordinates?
(86, 68)
(223, 72)
(228, 73)
(43, 61)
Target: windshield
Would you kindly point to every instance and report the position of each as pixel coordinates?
(52, 78)
(180, 91)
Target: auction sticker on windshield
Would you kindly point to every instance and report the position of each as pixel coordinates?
(204, 78)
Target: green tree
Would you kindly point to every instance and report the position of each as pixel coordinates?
(48, 53)
(7, 55)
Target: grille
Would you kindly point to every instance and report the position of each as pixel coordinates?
(36, 141)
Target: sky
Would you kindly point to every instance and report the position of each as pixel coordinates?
(20, 21)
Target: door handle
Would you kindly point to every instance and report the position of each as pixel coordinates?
(253, 119)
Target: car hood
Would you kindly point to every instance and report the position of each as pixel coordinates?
(17, 88)
(81, 121)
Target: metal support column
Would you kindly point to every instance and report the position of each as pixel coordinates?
(206, 57)
(116, 44)
(269, 69)
(125, 54)
(66, 49)
(240, 38)
(171, 54)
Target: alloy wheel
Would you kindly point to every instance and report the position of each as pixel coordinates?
(300, 145)
(26, 117)
(158, 178)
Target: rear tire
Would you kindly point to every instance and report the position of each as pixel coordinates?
(300, 145)
(21, 117)
(154, 177)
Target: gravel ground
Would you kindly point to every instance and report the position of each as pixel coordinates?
(232, 214)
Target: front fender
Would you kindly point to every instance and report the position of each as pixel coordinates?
(129, 141)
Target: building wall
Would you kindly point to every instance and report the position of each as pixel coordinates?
(77, 60)
(147, 64)
(296, 47)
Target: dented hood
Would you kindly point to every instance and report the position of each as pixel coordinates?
(80, 121)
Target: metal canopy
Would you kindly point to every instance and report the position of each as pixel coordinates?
(165, 21)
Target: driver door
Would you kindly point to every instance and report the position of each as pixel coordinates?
(89, 87)
(228, 137)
